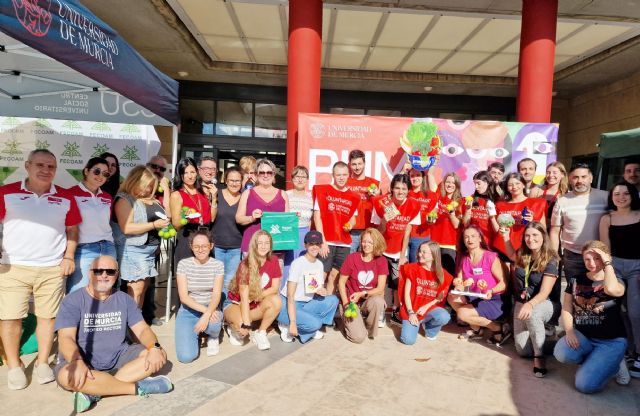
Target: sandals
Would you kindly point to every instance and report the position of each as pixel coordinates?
(499, 338)
(471, 334)
(539, 372)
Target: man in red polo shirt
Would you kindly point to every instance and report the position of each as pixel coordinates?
(366, 188)
(334, 214)
(40, 237)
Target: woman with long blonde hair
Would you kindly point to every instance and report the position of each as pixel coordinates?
(444, 230)
(556, 184)
(136, 230)
(536, 273)
(424, 287)
(253, 293)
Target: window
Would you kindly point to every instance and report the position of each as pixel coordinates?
(271, 121)
(234, 119)
(196, 116)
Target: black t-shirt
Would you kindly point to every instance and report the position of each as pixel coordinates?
(535, 281)
(153, 239)
(226, 231)
(595, 314)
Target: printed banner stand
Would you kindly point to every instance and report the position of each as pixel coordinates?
(283, 227)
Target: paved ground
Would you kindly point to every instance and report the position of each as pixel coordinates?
(333, 376)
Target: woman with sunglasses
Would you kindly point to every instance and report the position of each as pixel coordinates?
(139, 217)
(95, 236)
(536, 273)
(226, 232)
(188, 195)
(112, 185)
(253, 293)
(264, 197)
(200, 280)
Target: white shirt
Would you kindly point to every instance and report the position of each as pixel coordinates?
(579, 217)
(96, 213)
(300, 269)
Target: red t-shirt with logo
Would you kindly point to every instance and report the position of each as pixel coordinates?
(427, 201)
(424, 288)
(537, 206)
(394, 231)
(442, 231)
(361, 187)
(480, 217)
(268, 271)
(336, 209)
(363, 275)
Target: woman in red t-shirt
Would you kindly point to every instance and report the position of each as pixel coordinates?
(425, 286)
(480, 207)
(362, 281)
(444, 230)
(514, 204)
(427, 200)
(253, 293)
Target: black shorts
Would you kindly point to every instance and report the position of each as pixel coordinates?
(394, 272)
(335, 258)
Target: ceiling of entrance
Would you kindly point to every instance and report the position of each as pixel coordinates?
(464, 47)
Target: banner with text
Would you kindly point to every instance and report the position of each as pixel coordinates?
(73, 143)
(467, 146)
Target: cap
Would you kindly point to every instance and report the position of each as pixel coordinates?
(313, 237)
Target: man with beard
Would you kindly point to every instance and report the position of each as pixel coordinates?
(575, 219)
(632, 172)
(94, 358)
(367, 188)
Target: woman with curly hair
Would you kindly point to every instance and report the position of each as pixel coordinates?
(253, 293)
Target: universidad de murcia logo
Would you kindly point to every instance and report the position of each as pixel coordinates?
(34, 15)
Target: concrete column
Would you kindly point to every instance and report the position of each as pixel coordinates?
(535, 68)
(304, 61)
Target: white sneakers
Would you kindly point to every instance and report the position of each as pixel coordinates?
(235, 339)
(623, 377)
(16, 379)
(284, 333)
(213, 346)
(260, 339)
(318, 335)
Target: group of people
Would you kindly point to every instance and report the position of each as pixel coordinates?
(493, 259)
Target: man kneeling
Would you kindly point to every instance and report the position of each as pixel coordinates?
(94, 359)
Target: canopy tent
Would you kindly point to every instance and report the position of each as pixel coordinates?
(60, 61)
(618, 144)
(70, 34)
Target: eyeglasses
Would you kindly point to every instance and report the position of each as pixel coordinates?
(234, 181)
(207, 169)
(99, 172)
(203, 247)
(300, 177)
(157, 167)
(109, 272)
(265, 173)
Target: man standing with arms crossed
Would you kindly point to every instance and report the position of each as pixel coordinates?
(40, 238)
(367, 188)
(334, 214)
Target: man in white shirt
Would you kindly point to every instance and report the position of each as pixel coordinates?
(576, 217)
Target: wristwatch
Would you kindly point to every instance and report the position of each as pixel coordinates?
(366, 294)
(157, 345)
(245, 326)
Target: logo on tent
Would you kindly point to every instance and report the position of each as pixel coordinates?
(130, 153)
(130, 128)
(42, 145)
(12, 147)
(35, 18)
(99, 149)
(43, 123)
(10, 122)
(71, 124)
(71, 149)
(101, 126)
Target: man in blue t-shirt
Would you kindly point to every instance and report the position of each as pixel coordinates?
(94, 358)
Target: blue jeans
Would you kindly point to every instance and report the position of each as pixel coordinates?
(414, 243)
(310, 316)
(187, 343)
(572, 264)
(432, 323)
(85, 254)
(230, 257)
(599, 360)
(355, 240)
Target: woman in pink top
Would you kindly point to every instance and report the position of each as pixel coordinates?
(479, 271)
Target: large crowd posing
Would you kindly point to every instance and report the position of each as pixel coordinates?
(419, 254)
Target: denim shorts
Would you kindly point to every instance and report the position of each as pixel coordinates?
(138, 263)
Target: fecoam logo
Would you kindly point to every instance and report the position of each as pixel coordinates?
(34, 15)
(317, 130)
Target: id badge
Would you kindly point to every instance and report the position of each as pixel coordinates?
(477, 271)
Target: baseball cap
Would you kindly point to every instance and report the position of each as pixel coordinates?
(313, 237)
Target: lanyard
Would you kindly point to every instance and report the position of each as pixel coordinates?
(196, 201)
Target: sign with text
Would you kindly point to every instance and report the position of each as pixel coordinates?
(466, 146)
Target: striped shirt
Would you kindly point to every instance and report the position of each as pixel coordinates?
(200, 277)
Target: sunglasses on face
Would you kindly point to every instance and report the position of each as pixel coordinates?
(265, 173)
(99, 172)
(157, 167)
(109, 272)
